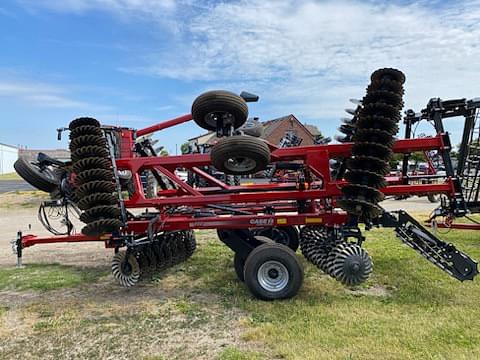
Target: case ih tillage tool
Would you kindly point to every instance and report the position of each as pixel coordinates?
(338, 186)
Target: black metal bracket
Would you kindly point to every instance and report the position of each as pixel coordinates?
(241, 241)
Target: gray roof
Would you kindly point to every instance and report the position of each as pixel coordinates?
(11, 146)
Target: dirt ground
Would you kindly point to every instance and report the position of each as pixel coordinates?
(170, 320)
(167, 319)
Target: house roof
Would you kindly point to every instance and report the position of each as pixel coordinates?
(268, 128)
(10, 146)
(270, 125)
(312, 129)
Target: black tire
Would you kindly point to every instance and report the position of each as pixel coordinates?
(90, 151)
(239, 266)
(272, 271)
(46, 180)
(240, 155)
(285, 235)
(433, 198)
(219, 102)
(92, 163)
(83, 121)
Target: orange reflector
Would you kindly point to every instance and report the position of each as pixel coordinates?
(313, 220)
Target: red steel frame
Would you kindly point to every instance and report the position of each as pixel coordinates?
(251, 199)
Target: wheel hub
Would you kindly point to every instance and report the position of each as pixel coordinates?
(273, 273)
(240, 164)
(273, 276)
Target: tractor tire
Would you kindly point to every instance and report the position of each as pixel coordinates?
(219, 102)
(240, 155)
(272, 272)
(46, 180)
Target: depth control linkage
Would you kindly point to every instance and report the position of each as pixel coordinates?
(441, 254)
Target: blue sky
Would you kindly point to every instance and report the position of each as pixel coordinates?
(134, 62)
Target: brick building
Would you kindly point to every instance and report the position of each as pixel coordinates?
(273, 131)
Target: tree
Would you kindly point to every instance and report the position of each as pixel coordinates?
(185, 148)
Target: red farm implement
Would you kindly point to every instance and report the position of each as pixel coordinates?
(337, 187)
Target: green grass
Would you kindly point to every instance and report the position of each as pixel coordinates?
(232, 353)
(10, 176)
(422, 313)
(22, 199)
(425, 314)
(47, 277)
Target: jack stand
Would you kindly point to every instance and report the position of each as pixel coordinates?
(18, 250)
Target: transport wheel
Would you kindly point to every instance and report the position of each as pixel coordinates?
(240, 155)
(239, 261)
(433, 198)
(239, 266)
(272, 271)
(219, 105)
(285, 235)
(45, 179)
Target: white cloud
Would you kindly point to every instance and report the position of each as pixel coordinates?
(43, 95)
(159, 11)
(309, 57)
(119, 6)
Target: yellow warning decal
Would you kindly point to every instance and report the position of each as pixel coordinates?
(281, 221)
(313, 220)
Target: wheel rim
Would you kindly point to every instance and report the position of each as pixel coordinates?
(240, 164)
(273, 276)
(47, 171)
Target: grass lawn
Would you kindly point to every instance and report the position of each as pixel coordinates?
(22, 199)
(47, 277)
(421, 313)
(10, 176)
(409, 309)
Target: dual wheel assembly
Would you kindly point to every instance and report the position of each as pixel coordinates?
(272, 271)
(224, 112)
